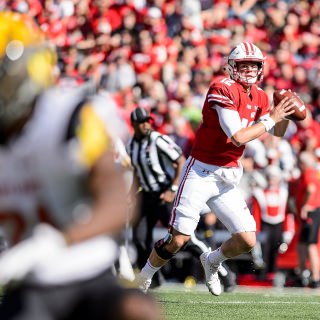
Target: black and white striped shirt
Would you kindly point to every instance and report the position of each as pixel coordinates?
(152, 159)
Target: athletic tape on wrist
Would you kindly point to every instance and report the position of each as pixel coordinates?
(268, 123)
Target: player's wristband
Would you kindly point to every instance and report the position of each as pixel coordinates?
(268, 123)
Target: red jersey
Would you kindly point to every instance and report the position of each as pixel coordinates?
(309, 176)
(270, 205)
(212, 145)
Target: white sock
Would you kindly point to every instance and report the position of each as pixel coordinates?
(216, 257)
(149, 270)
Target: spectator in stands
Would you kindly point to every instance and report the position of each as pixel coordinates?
(280, 153)
(269, 208)
(307, 137)
(308, 204)
(120, 76)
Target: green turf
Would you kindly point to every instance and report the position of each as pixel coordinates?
(253, 303)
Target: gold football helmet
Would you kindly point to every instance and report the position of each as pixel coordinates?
(27, 65)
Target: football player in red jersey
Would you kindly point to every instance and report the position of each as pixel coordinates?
(235, 112)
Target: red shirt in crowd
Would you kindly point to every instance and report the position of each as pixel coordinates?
(309, 176)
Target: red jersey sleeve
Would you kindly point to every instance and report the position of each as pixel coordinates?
(224, 94)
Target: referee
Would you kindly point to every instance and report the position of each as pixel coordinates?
(157, 162)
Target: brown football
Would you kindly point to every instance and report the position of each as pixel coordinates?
(300, 111)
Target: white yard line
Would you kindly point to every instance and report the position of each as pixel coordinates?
(252, 303)
(267, 291)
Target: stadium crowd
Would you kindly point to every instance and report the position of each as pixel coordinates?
(161, 55)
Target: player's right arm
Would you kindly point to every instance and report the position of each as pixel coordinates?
(230, 121)
(275, 121)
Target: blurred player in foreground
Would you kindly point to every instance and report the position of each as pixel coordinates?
(235, 112)
(61, 200)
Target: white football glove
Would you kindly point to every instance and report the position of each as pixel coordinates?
(17, 262)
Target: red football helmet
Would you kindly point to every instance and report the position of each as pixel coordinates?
(245, 52)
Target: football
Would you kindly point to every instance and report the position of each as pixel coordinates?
(300, 111)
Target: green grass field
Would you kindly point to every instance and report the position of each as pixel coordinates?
(179, 303)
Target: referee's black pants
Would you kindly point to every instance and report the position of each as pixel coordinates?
(152, 212)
